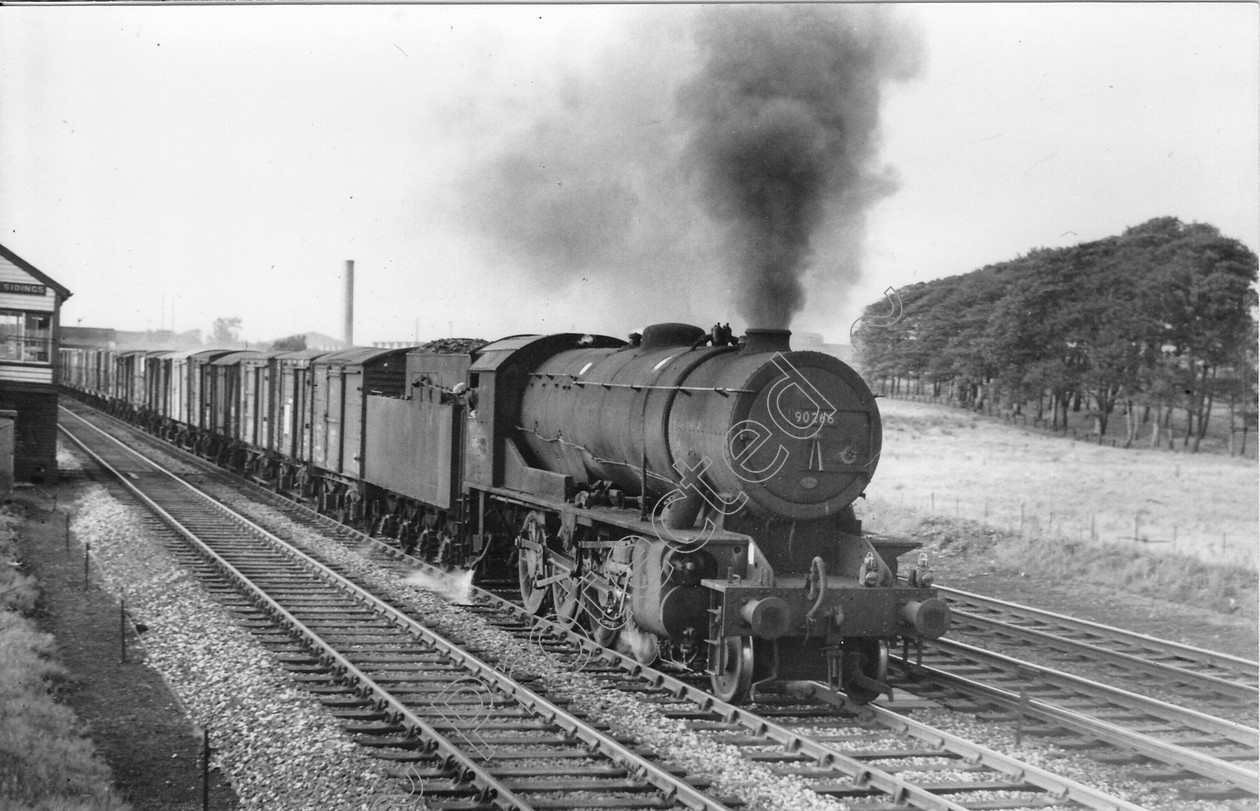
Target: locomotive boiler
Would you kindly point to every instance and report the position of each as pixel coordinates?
(693, 497)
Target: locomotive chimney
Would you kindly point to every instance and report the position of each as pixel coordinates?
(347, 331)
(767, 340)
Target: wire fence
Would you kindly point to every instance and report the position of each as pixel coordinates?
(1246, 441)
(1195, 536)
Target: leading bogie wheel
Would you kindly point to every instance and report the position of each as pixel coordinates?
(864, 668)
(733, 677)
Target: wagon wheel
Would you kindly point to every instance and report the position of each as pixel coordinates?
(864, 668)
(531, 564)
(732, 678)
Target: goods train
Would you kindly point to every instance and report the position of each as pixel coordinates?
(684, 495)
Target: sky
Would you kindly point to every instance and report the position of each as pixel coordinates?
(495, 170)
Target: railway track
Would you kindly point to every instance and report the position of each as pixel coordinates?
(1214, 758)
(1088, 707)
(407, 689)
(873, 758)
(1216, 681)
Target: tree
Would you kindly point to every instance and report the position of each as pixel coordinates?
(1160, 317)
(225, 330)
(1206, 297)
(293, 343)
(1037, 324)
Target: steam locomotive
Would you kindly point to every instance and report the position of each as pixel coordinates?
(683, 495)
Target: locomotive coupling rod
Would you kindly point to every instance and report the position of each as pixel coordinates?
(547, 581)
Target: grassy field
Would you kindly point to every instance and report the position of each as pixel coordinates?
(944, 461)
(1081, 424)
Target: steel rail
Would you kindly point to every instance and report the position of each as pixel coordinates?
(1190, 653)
(1162, 710)
(1054, 785)
(827, 755)
(1060, 788)
(491, 789)
(494, 790)
(1169, 753)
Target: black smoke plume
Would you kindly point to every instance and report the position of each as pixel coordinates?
(786, 112)
(712, 155)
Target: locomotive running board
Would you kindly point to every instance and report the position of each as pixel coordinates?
(627, 518)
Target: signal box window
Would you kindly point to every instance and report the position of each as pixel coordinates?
(25, 337)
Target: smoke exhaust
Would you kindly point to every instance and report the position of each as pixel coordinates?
(767, 340)
(785, 140)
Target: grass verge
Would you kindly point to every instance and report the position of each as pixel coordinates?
(952, 543)
(46, 762)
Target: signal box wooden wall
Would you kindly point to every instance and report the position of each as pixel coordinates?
(30, 313)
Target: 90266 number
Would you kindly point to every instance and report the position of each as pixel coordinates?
(819, 417)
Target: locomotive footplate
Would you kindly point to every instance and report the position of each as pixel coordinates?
(844, 609)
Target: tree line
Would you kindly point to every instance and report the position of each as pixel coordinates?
(1156, 325)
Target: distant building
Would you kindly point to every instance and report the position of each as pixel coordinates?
(318, 340)
(89, 338)
(30, 321)
(159, 339)
(122, 340)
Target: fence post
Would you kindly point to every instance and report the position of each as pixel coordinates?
(205, 769)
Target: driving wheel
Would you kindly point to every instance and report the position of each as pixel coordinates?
(566, 597)
(531, 564)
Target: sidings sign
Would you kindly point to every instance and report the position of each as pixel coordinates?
(23, 289)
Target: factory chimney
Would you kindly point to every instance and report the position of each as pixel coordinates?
(347, 332)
